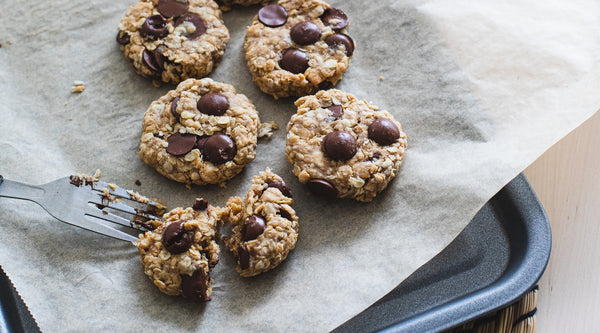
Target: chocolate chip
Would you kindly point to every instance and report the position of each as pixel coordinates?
(174, 108)
(201, 142)
(272, 15)
(335, 18)
(284, 213)
(244, 257)
(159, 57)
(219, 149)
(123, 38)
(384, 131)
(154, 26)
(200, 205)
(322, 188)
(138, 182)
(253, 227)
(336, 111)
(214, 104)
(335, 40)
(282, 187)
(196, 21)
(176, 239)
(339, 145)
(195, 287)
(294, 61)
(180, 144)
(149, 60)
(172, 8)
(305, 33)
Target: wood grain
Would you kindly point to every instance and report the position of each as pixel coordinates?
(567, 181)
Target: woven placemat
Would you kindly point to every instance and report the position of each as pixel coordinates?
(516, 318)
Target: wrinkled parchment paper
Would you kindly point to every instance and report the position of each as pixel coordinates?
(481, 88)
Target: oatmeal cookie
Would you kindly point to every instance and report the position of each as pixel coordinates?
(265, 226)
(295, 47)
(173, 40)
(202, 132)
(342, 147)
(179, 254)
(226, 4)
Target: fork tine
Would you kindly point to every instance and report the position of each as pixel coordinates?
(92, 225)
(100, 200)
(115, 190)
(107, 216)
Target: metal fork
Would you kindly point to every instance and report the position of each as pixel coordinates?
(89, 204)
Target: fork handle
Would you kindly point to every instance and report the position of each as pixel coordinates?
(16, 190)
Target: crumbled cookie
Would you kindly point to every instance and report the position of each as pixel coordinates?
(342, 147)
(202, 132)
(296, 47)
(173, 40)
(179, 254)
(265, 226)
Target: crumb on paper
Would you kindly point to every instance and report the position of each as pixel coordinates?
(78, 86)
(381, 78)
(267, 129)
(97, 174)
(138, 182)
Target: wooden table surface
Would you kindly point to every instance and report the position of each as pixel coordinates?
(567, 181)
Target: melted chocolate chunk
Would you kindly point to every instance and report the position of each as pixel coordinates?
(294, 61)
(337, 39)
(214, 104)
(219, 149)
(172, 8)
(176, 239)
(322, 188)
(282, 187)
(154, 27)
(335, 18)
(180, 144)
(284, 213)
(195, 287)
(123, 38)
(200, 205)
(174, 108)
(154, 60)
(253, 227)
(201, 143)
(194, 20)
(339, 145)
(384, 132)
(244, 257)
(305, 33)
(272, 15)
(336, 111)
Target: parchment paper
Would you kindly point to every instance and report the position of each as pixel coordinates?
(481, 88)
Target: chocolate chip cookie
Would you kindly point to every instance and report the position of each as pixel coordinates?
(202, 132)
(173, 40)
(226, 4)
(265, 226)
(342, 147)
(180, 253)
(295, 47)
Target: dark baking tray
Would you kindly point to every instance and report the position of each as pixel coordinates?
(498, 258)
(495, 261)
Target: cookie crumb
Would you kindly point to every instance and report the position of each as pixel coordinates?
(78, 86)
(267, 129)
(138, 182)
(381, 78)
